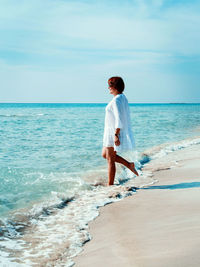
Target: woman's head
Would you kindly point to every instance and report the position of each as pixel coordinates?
(116, 83)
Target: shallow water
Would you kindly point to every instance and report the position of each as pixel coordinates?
(50, 160)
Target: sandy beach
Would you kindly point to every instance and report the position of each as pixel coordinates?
(158, 226)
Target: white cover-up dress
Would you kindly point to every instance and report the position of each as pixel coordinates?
(118, 116)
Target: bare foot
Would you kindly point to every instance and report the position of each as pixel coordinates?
(109, 184)
(99, 183)
(132, 168)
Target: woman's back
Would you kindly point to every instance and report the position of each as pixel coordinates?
(124, 111)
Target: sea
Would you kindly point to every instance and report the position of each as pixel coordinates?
(53, 177)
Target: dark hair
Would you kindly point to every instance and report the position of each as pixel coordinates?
(117, 83)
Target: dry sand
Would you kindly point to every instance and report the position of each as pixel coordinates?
(158, 226)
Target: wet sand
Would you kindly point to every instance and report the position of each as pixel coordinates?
(157, 227)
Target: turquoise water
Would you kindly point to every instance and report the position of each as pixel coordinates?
(50, 156)
(46, 147)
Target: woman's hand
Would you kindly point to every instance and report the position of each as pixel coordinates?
(117, 142)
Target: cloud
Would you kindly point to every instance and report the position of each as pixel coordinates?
(49, 41)
(54, 26)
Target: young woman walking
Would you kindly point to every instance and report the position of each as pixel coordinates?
(118, 136)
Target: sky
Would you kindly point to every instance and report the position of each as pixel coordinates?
(64, 51)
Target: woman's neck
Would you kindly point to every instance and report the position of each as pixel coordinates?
(116, 94)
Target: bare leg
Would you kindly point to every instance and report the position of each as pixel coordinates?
(129, 165)
(110, 155)
(111, 172)
(121, 160)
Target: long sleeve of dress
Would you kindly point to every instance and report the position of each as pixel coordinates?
(117, 109)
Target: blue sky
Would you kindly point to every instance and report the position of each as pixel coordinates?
(64, 51)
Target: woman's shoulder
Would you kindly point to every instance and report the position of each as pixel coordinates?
(120, 98)
(119, 95)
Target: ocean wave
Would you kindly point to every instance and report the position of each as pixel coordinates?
(20, 115)
(52, 233)
(63, 224)
(164, 149)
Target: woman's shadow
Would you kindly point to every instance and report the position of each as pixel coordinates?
(174, 186)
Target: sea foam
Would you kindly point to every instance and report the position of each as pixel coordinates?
(56, 233)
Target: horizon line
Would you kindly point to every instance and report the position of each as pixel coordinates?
(97, 102)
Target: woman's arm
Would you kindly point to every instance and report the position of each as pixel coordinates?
(117, 142)
(117, 108)
(117, 131)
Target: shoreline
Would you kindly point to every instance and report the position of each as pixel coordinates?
(76, 215)
(158, 226)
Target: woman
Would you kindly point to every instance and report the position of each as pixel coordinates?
(118, 136)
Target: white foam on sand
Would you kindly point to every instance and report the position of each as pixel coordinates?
(54, 238)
